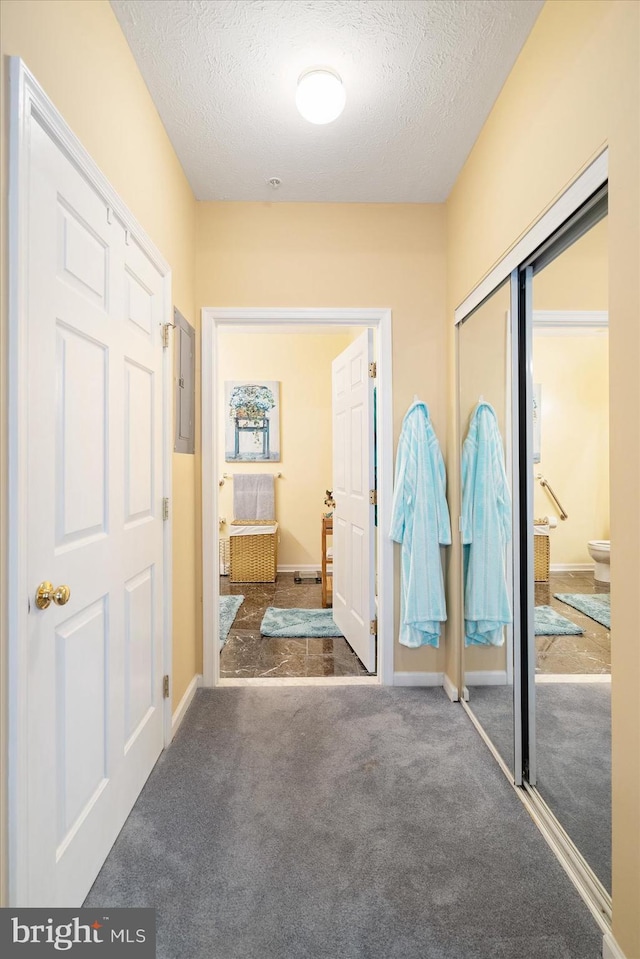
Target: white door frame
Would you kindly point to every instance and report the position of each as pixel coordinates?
(29, 102)
(213, 320)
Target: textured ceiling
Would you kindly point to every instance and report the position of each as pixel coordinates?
(420, 77)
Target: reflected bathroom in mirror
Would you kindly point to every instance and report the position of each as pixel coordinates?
(571, 492)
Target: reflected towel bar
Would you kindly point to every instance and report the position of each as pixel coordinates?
(545, 485)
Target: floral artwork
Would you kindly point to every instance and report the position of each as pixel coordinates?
(252, 421)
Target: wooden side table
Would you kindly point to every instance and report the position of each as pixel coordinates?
(327, 563)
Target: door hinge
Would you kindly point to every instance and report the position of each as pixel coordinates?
(373, 370)
(165, 687)
(165, 507)
(373, 497)
(165, 334)
(373, 627)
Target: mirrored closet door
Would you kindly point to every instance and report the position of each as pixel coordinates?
(565, 299)
(533, 423)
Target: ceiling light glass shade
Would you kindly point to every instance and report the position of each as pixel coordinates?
(320, 96)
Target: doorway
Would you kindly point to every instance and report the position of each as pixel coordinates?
(298, 577)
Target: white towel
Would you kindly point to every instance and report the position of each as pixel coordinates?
(253, 496)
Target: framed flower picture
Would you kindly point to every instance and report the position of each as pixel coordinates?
(252, 421)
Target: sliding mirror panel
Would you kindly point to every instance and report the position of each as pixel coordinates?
(570, 474)
(485, 418)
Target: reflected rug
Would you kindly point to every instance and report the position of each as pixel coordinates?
(594, 605)
(298, 623)
(548, 622)
(229, 606)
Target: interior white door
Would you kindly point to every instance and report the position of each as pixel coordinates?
(353, 517)
(94, 683)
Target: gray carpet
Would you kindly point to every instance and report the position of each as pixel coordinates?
(573, 727)
(493, 708)
(340, 823)
(574, 765)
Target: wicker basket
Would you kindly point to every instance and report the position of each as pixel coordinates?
(254, 559)
(541, 558)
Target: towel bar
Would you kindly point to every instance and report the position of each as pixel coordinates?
(226, 476)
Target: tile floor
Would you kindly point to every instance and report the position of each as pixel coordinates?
(248, 655)
(588, 653)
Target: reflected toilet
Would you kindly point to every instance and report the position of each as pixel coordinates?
(600, 552)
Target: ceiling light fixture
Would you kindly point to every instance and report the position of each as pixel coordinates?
(320, 96)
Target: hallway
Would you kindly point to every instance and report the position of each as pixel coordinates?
(339, 823)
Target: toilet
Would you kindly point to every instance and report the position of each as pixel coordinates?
(600, 552)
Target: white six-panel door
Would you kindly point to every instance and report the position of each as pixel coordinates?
(95, 730)
(353, 478)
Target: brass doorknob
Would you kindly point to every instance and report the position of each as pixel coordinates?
(46, 593)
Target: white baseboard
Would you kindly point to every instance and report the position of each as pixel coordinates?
(184, 703)
(418, 679)
(571, 567)
(544, 678)
(610, 948)
(303, 567)
(302, 681)
(486, 677)
(450, 689)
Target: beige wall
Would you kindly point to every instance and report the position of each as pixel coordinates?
(482, 360)
(341, 255)
(76, 50)
(301, 363)
(579, 278)
(573, 89)
(574, 375)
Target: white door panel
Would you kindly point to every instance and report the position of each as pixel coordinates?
(81, 438)
(353, 478)
(95, 523)
(81, 643)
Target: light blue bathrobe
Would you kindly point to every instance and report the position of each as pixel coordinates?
(486, 529)
(420, 521)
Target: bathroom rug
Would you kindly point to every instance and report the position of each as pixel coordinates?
(298, 623)
(594, 605)
(229, 606)
(548, 622)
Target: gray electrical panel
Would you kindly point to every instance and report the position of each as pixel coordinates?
(184, 347)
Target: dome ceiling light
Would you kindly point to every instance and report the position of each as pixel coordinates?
(320, 96)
